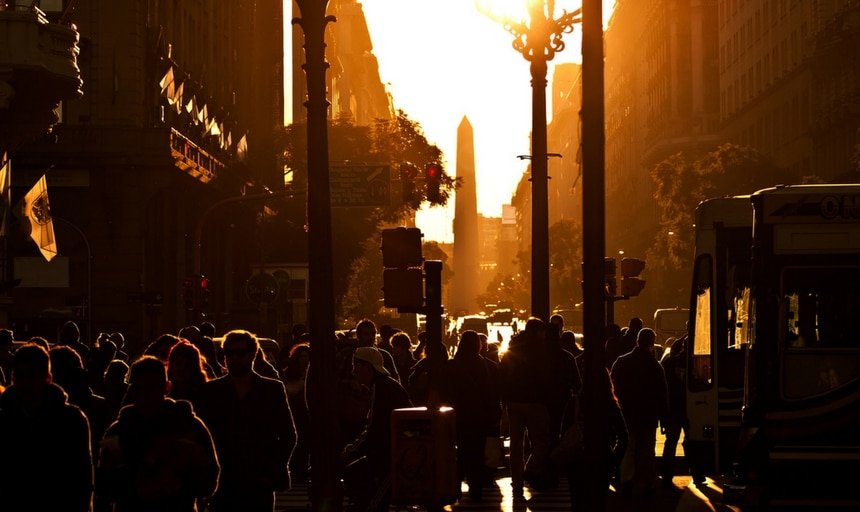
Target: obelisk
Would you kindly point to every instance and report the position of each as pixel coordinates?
(464, 290)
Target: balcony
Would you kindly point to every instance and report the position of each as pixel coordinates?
(38, 70)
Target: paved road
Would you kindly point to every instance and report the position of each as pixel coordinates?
(682, 496)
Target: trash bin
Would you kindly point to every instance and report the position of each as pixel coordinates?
(423, 457)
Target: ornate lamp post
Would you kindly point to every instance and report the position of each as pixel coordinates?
(322, 390)
(538, 41)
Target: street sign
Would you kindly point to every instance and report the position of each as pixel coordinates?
(262, 287)
(360, 185)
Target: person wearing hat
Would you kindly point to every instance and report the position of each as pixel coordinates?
(368, 458)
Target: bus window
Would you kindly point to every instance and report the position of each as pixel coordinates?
(818, 308)
(701, 366)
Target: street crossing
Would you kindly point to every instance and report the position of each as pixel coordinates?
(494, 499)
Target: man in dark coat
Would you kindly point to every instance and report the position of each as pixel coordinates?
(253, 429)
(47, 463)
(640, 385)
(158, 455)
(367, 476)
(472, 388)
(526, 385)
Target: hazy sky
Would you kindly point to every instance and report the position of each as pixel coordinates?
(442, 60)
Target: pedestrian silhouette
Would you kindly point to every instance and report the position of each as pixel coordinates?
(158, 455)
(252, 426)
(47, 463)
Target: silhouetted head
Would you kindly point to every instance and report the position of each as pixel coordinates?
(469, 346)
(635, 324)
(207, 329)
(365, 333)
(118, 339)
(31, 370)
(401, 341)
(190, 333)
(367, 363)
(646, 338)
(69, 333)
(240, 349)
(535, 329)
(558, 320)
(160, 348)
(185, 366)
(147, 384)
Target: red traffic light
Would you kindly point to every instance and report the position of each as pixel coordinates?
(433, 171)
(203, 282)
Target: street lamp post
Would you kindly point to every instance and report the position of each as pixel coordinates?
(322, 382)
(538, 42)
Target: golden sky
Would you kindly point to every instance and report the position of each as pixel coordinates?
(442, 60)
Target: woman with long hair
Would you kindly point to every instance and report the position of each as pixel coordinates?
(186, 372)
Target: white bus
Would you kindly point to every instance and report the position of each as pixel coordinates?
(774, 359)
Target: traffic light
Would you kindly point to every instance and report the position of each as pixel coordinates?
(408, 173)
(401, 248)
(204, 289)
(609, 277)
(433, 178)
(402, 278)
(403, 288)
(631, 284)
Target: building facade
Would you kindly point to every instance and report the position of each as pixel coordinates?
(789, 82)
(180, 108)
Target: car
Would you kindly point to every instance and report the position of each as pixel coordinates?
(477, 323)
(670, 323)
(502, 316)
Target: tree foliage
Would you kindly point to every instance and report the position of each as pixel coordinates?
(355, 231)
(565, 260)
(682, 181)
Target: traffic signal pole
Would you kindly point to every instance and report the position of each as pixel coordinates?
(593, 490)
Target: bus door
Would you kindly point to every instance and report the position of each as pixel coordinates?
(716, 350)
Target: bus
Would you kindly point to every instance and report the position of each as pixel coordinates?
(774, 360)
(716, 341)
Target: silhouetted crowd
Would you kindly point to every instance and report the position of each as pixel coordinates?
(204, 423)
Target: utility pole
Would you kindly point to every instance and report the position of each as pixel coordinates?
(322, 381)
(594, 247)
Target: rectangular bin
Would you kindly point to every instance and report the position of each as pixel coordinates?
(423, 457)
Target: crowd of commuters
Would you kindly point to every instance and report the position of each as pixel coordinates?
(192, 424)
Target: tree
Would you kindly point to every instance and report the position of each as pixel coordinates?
(565, 260)
(682, 181)
(355, 231)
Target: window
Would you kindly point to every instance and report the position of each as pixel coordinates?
(821, 305)
(818, 309)
(701, 364)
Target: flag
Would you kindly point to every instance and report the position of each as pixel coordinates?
(242, 147)
(5, 191)
(38, 211)
(203, 116)
(167, 85)
(214, 129)
(177, 98)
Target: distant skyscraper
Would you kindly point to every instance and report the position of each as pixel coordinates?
(466, 244)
